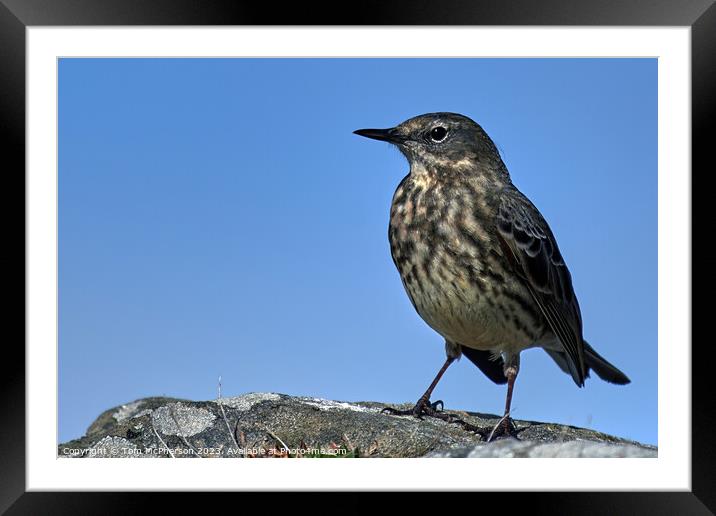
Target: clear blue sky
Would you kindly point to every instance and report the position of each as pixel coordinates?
(218, 217)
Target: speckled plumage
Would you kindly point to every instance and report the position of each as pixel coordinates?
(453, 268)
(477, 259)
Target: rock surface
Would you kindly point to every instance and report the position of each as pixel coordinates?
(278, 425)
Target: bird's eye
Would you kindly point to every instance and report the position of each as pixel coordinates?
(438, 134)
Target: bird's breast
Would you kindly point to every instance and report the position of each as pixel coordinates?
(451, 265)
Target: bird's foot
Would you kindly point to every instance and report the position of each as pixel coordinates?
(425, 408)
(505, 427)
(422, 408)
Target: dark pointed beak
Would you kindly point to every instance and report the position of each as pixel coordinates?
(386, 135)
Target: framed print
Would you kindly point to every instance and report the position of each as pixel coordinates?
(206, 220)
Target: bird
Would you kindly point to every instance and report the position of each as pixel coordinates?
(478, 260)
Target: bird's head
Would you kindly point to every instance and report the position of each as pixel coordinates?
(440, 141)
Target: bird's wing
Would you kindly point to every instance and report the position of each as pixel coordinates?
(530, 245)
(493, 368)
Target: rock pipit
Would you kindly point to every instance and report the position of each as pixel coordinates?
(478, 261)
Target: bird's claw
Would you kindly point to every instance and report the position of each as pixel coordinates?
(434, 405)
(425, 408)
(395, 412)
(422, 408)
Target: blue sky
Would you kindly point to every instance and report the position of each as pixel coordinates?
(218, 217)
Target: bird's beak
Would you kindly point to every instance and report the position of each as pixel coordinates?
(387, 135)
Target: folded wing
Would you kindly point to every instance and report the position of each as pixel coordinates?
(532, 249)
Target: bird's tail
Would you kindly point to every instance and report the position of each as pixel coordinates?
(594, 361)
(600, 365)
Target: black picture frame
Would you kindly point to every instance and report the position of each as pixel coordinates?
(700, 15)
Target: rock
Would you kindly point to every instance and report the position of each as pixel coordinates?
(508, 448)
(278, 425)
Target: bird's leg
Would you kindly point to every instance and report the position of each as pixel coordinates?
(423, 406)
(506, 426)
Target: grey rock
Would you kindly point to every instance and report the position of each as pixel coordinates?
(181, 419)
(112, 446)
(264, 424)
(246, 401)
(127, 410)
(509, 448)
